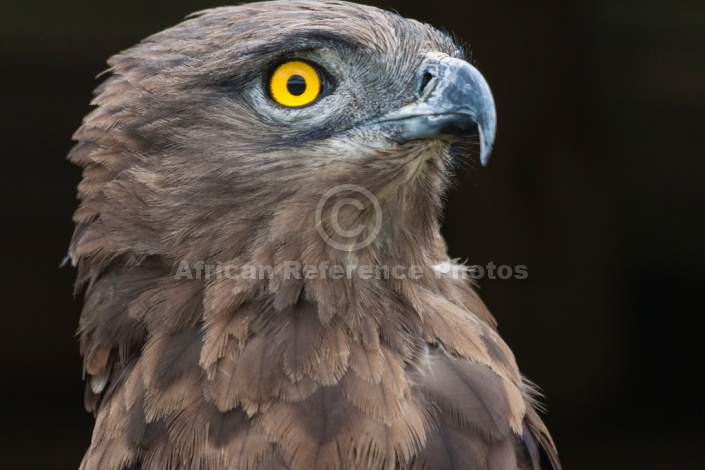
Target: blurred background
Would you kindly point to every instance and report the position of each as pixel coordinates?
(595, 185)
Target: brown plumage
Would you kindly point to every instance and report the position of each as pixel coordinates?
(193, 175)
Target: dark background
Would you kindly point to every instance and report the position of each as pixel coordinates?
(594, 185)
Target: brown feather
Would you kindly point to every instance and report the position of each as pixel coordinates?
(451, 448)
(501, 456)
(325, 432)
(470, 394)
(225, 332)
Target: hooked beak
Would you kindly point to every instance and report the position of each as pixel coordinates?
(454, 101)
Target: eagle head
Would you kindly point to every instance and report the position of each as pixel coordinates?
(226, 131)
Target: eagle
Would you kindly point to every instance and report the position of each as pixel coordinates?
(258, 244)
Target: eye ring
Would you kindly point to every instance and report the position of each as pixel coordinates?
(295, 83)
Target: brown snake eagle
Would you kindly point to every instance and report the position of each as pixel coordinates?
(266, 286)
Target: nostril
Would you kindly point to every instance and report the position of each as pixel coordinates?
(425, 80)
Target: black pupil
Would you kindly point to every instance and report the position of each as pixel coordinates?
(296, 85)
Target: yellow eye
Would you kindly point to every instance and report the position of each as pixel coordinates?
(294, 84)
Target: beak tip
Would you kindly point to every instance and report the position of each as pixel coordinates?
(485, 155)
(486, 117)
(486, 143)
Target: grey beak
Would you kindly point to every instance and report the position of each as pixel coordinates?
(454, 101)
